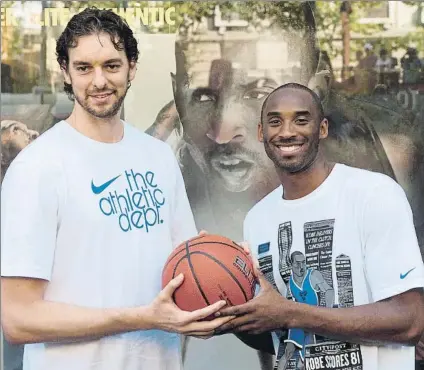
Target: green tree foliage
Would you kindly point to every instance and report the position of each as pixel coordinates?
(329, 25)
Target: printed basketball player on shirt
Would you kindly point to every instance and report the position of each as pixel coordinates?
(305, 284)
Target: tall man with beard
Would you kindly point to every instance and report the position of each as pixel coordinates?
(90, 213)
(353, 226)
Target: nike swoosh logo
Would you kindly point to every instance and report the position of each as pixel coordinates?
(403, 276)
(99, 189)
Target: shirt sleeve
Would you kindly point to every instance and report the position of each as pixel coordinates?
(393, 261)
(183, 224)
(29, 220)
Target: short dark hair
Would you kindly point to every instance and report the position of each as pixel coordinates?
(294, 254)
(296, 86)
(91, 21)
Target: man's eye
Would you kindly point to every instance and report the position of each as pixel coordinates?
(255, 94)
(113, 66)
(82, 69)
(203, 97)
(302, 120)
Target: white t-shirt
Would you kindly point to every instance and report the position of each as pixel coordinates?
(348, 243)
(97, 221)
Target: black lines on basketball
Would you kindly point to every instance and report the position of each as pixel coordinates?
(216, 268)
(177, 264)
(194, 275)
(225, 268)
(236, 246)
(183, 250)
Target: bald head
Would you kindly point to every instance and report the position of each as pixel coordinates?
(299, 90)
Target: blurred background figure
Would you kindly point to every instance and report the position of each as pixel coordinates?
(15, 136)
(386, 71)
(412, 67)
(384, 61)
(366, 76)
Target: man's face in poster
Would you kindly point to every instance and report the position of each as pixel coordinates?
(219, 91)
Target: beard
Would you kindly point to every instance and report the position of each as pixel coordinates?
(297, 165)
(102, 112)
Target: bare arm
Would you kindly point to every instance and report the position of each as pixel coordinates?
(165, 123)
(28, 318)
(399, 319)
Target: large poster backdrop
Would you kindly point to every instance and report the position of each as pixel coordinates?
(205, 69)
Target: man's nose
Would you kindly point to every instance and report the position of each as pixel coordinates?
(287, 130)
(99, 79)
(228, 128)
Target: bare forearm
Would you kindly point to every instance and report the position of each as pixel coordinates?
(44, 321)
(380, 322)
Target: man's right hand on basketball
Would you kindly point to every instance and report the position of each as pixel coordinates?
(168, 317)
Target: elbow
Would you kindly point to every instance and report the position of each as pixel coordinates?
(412, 317)
(412, 335)
(13, 330)
(12, 334)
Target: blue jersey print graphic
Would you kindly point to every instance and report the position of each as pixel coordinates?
(306, 293)
(137, 205)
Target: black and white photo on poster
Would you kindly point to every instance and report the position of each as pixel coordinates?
(395, 118)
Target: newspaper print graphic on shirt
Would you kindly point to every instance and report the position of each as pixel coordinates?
(285, 239)
(319, 250)
(266, 267)
(309, 280)
(344, 281)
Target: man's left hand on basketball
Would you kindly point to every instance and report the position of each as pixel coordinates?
(266, 312)
(170, 318)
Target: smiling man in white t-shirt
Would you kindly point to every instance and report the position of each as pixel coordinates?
(355, 228)
(90, 212)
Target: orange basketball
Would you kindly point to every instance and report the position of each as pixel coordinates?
(215, 268)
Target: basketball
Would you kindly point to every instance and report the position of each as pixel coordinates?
(215, 268)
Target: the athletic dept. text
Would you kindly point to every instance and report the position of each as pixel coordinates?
(138, 206)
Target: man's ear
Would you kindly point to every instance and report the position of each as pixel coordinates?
(323, 129)
(178, 89)
(66, 76)
(260, 133)
(321, 82)
(133, 70)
